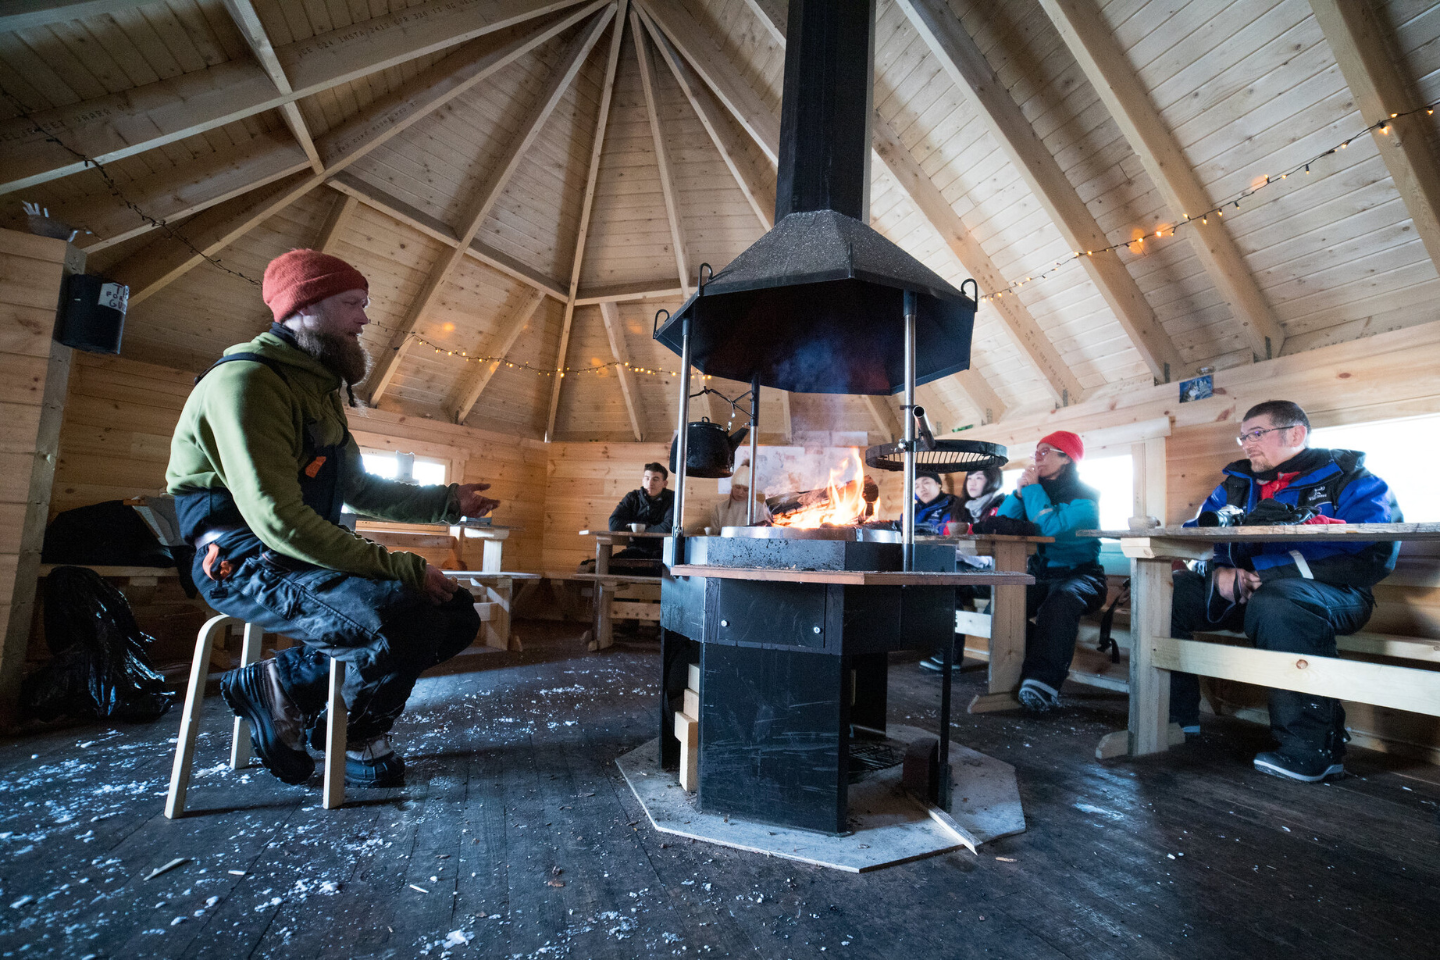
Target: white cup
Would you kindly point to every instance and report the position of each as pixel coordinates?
(711, 531)
(637, 528)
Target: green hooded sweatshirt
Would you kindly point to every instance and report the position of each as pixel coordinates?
(243, 429)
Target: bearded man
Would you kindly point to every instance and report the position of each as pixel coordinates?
(260, 464)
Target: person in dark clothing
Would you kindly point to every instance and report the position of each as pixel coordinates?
(934, 508)
(1069, 581)
(982, 497)
(1289, 597)
(651, 505)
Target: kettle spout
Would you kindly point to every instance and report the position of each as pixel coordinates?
(738, 437)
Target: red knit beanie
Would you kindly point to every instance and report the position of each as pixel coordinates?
(301, 277)
(1067, 443)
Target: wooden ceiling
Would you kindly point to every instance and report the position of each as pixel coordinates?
(533, 179)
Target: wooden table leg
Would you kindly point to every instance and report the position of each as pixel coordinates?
(1149, 729)
(1007, 633)
(603, 637)
(490, 555)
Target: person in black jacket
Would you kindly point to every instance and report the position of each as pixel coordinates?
(934, 508)
(651, 505)
(1291, 597)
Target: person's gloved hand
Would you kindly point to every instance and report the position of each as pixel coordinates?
(438, 587)
(471, 503)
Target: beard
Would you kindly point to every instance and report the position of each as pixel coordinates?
(340, 354)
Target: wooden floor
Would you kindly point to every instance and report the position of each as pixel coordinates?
(518, 835)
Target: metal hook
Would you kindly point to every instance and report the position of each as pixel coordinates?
(701, 280)
(974, 296)
(654, 333)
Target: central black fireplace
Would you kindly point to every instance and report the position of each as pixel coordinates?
(790, 635)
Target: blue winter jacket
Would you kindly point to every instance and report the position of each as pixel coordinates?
(930, 518)
(1059, 507)
(1332, 483)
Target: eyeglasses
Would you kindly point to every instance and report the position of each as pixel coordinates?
(1041, 452)
(1254, 435)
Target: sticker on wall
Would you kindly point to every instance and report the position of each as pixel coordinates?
(1197, 389)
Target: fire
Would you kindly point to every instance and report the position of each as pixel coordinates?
(839, 504)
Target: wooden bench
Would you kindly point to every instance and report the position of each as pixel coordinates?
(620, 596)
(495, 592)
(1412, 684)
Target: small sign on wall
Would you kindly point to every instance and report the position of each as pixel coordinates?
(1197, 389)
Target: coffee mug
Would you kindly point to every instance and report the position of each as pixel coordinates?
(710, 531)
(637, 528)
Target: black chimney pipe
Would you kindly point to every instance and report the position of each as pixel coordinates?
(825, 115)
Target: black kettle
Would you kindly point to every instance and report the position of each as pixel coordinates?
(710, 451)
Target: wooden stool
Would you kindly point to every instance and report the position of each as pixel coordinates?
(334, 787)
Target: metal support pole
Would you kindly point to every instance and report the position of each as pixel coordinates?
(754, 443)
(908, 531)
(682, 444)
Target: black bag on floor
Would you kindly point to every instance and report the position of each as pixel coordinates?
(100, 668)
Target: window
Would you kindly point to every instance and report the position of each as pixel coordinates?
(405, 467)
(1113, 477)
(1398, 452)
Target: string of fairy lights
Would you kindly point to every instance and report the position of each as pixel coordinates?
(1218, 210)
(547, 371)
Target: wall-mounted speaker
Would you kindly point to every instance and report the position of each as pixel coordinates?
(92, 314)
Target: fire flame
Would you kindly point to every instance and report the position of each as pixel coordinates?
(840, 504)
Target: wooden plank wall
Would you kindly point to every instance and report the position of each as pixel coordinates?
(584, 482)
(33, 374)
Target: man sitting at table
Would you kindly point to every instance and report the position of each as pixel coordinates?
(651, 505)
(1291, 597)
(1069, 581)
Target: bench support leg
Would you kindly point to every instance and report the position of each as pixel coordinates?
(190, 716)
(334, 787)
(1007, 635)
(240, 739)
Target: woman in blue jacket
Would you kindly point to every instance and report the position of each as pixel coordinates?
(1069, 581)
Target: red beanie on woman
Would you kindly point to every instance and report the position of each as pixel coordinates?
(301, 277)
(1067, 443)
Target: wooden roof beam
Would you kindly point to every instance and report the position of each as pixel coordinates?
(968, 69)
(1356, 37)
(498, 344)
(615, 332)
(377, 199)
(760, 196)
(485, 198)
(985, 399)
(1023, 329)
(148, 270)
(587, 206)
(133, 121)
(886, 423)
(253, 30)
(27, 14)
(729, 87)
(1083, 29)
(341, 211)
(172, 195)
(619, 292)
(662, 153)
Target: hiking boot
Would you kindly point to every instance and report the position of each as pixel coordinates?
(276, 724)
(1320, 766)
(374, 764)
(1037, 697)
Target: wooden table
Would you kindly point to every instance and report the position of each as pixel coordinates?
(606, 580)
(446, 536)
(494, 595)
(1005, 626)
(1154, 653)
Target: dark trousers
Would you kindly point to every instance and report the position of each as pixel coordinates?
(386, 632)
(1293, 616)
(1057, 603)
